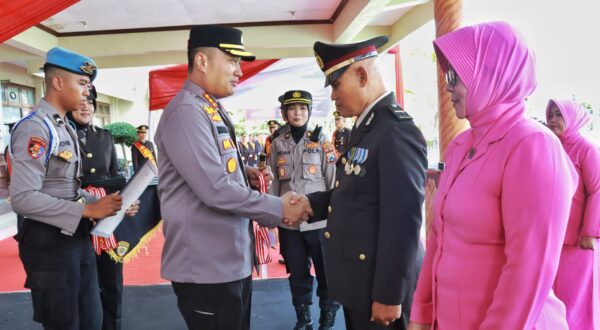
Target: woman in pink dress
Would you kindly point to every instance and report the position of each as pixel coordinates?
(503, 200)
(577, 280)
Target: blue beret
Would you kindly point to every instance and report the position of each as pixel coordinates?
(67, 60)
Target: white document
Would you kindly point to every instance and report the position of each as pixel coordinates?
(132, 191)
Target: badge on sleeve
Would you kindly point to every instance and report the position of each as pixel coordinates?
(312, 169)
(36, 147)
(329, 150)
(281, 172)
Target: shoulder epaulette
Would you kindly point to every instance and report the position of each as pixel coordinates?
(399, 112)
(277, 133)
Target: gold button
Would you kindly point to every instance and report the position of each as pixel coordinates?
(337, 183)
(362, 256)
(327, 235)
(89, 155)
(329, 209)
(92, 170)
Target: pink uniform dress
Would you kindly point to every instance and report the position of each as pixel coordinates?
(577, 280)
(503, 201)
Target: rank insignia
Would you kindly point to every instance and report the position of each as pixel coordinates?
(281, 161)
(210, 110)
(281, 172)
(122, 248)
(65, 155)
(287, 135)
(231, 165)
(312, 144)
(312, 169)
(227, 144)
(36, 147)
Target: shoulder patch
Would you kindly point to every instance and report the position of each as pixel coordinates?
(399, 112)
(36, 147)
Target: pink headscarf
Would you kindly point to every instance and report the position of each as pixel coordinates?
(498, 70)
(575, 118)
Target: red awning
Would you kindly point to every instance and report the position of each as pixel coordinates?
(18, 16)
(165, 83)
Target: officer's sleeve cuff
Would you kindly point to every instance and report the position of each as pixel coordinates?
(74, 212)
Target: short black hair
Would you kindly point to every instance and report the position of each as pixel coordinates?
(191, 55)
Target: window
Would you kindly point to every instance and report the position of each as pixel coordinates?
(17, 101)
(102, 115)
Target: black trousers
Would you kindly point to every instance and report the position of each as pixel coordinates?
(362, 321)
(298, 250)
(61, 273)
(110, 278)
(223, 306)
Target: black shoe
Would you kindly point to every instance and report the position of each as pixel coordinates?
(303, 315)
(327, 319)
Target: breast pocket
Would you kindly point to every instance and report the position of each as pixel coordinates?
(63, 164)
(311, 164)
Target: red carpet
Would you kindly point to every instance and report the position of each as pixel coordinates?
(143, 270)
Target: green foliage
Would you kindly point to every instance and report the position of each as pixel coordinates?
(123, 133)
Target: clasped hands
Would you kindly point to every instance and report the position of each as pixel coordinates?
(296, 208)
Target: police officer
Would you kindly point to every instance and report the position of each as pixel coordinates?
(304, 160)
(374, 211)
(100, 165)
(206, 201)
(54, 242)
(142, 150)
(341, 135)
(273, 125)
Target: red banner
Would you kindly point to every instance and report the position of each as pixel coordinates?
(18, 16)
(165, 83)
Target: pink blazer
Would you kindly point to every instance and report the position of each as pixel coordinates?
(585, 211)
(495, 244)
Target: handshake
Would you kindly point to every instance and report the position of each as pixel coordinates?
(296, 208)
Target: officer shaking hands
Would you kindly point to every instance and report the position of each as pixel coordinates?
(374, 211)
(55, 214)
(205, 195)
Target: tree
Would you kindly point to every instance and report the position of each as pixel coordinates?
(124, 134)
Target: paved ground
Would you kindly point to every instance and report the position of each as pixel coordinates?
(154, 308)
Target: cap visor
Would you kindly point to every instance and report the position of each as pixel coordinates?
(244, 55)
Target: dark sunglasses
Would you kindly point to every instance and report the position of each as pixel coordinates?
(451, 76)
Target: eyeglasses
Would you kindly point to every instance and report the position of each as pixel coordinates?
(451, 76)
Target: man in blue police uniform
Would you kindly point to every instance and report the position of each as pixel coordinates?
(372, 246)
(100, 172)
(56, 215)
